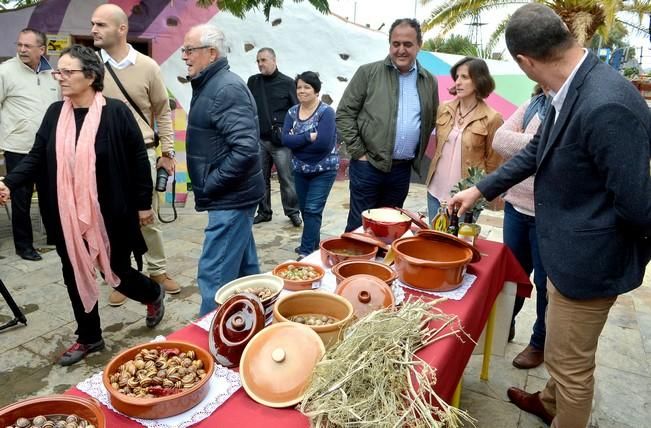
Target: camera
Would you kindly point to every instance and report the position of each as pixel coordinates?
(161, 179)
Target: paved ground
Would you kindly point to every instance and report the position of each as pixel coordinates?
(27, 354)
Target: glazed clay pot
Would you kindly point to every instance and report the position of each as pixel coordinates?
(160, 407)
(299, 285)
(331, 251)
(387, 224)
(235, 323)
(86, 408)
(366, 293)
(431, 264)
(253, 281)
(317, 302)
(349, 268)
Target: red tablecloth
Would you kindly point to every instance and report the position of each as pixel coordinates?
(450, 355)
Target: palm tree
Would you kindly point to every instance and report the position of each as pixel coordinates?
(240, 7)
(584, 17)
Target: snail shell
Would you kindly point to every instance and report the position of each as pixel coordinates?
(149, 365)
(186, 362)
(188, 379)
(23, 423)
(172, 370)
(182, 371)
(174, 377)
(72, 425)
(49, 424)
(131, 368)
(140, 364)
(61, 424)
(145, 382)
(191, 354)
(38, 421)
(198, 364)
(162, 373)
(178, 385)
(168, 383)
(132, 383)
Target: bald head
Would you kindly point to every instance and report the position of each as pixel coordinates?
(110, 26)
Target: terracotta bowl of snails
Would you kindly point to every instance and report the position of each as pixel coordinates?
(80, 412)
(160, 379)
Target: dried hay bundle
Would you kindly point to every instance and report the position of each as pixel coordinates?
(367, 379)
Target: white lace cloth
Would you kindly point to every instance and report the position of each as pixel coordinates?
(456, 294)
(223, 384)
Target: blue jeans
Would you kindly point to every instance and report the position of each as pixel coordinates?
(520, 237)
(228, 253)
(372, 188)
(312, 191)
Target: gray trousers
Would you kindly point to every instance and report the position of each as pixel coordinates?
(282, 158)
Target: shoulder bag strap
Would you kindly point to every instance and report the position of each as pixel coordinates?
(125, 93)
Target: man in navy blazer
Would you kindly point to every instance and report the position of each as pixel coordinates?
(592, 192)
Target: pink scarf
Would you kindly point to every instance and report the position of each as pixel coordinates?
(81, 219)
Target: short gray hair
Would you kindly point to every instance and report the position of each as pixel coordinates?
(213, 37)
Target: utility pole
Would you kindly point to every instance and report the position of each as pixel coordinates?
(474, 34)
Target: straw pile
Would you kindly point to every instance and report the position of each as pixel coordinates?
(367, 380)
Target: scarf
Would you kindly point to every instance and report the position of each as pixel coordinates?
(538, 105)
(81, 219)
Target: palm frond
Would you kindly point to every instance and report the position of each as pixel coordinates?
(239, 8)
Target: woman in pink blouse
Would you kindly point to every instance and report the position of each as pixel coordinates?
(520, 223)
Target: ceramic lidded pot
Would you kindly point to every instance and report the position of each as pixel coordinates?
(349, 268)
(260, 282)
(235, 323)
(387, 224)
(277, 364)
(366, 293)
(431, 264)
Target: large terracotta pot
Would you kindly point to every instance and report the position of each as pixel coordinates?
(161, 407)
(331, 251)
(431, 264)
(387, 224)
(86, 408)
(317, 302)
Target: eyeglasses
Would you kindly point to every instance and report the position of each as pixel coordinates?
(189, 50)
(64, 73)
(26, 46)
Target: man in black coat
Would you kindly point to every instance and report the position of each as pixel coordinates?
(274, 94)
(592, 192)
(223, 162)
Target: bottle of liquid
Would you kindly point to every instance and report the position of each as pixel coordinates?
(453, 228)
(466, 230)
(441, 221)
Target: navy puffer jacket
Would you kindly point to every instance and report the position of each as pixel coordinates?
(222, 141)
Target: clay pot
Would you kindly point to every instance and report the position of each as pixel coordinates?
(315, 302)
(277, 364)
(349, 268)
(86, 408)
(235, 323)
(366, 293)
(431, 264)
(263, 280)
(387, 224)
(160, 407)
(331, 251)
(298, 285)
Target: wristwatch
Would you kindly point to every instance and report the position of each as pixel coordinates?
(170, 154)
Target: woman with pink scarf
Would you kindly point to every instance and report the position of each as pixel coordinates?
(100, 190)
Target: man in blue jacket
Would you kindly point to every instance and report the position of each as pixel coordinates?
(592, 193)
(223, 162)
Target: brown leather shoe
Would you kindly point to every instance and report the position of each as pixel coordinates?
(116, 298)
(530, 403)
(529, 358)
(170, 286)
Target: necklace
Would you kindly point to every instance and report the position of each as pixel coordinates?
(463, 116)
